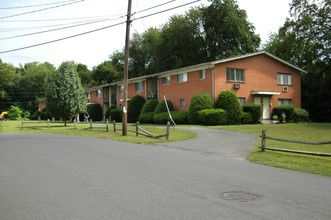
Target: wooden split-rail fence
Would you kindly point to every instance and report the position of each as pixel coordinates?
(263, 145)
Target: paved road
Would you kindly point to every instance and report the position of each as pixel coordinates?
(46, 176)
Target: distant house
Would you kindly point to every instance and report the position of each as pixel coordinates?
(255, 78)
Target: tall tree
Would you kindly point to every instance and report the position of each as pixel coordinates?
(305, 41)
(65, 95)
(105, 73)
(7, 73)
(85, 75)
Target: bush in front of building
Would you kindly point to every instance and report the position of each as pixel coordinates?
(283, 112)
(228, 101)
(116, 114)
(95, 112)
(300, 115)
(254, 110)
(179, 117)
(247, 118)
(198, 103)
(213, 117)
(150, 106)
(161, 107)
(134, 108)
(146, 118)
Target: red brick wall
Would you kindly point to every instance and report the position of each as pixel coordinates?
(41, 106)
(95, 99)
(260, 75)
(185, 90)
(131, 92)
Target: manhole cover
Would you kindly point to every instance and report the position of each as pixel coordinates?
(240, 196)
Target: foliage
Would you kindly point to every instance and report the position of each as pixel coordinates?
(107, 114)
(280, 110)
(304, 40)
(85, 75)
(116, 114)
(150, 106)
(300, 115)
(212, 116)
(7, 73)
(161, 107)
(146, 118)
(15, 113)
(198, 103)
(134, 108)
(228, 101)
(180, 117)
(65, 95)
(95, 112)
(247, 118)
(105, 73)
(254, 110)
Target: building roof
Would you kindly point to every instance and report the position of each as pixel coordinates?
(200, 67)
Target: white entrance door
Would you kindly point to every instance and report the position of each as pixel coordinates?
(265, 103)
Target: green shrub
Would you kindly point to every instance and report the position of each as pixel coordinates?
(161, 107)
(282, 110)
(247, 118)
(254, 110)
(300, 115)
(198, 103)
(95, 112)
(150, 106)
(45, 114)
(15, 113)
(180, 117)
(228, 101)
(134, 108)
(107, 114)
(35, 115)
(146, 118)
(116, 114)
(213, 116)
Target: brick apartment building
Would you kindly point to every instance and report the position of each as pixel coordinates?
(255, 78)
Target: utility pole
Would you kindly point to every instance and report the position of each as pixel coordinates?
(126, 72)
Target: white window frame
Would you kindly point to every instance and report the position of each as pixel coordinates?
(203, 74)
(284, 79)
(285, 101)
(88, 95)
(182, 77)
(242, 100)
(235, 75)
(140, 86)
(182, 103)
(165, 80)
(98, 93)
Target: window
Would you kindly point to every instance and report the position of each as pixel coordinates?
(284, 79)
(182, 77)
(242, 101)
(121, 89)
(235, 75)
(166, 80)
(140, 86)
(182, 103)
(202, 74)
(88, 95)
(99, 93)
(284, 101)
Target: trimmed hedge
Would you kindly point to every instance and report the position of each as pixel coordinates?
(213, 117)
(95, 112)
(254, 110)
(228, 101)
(107, 114)
(149, 106)
(300, 115)
(198, 103)
(288, 110)
(146, 118)
(180, 117)
(161, 107)
(247, 118)
(116, 114)
(134, 108)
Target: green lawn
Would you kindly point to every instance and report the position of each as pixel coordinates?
(305, 132)
(81, 130)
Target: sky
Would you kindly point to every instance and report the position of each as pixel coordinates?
(94, 46)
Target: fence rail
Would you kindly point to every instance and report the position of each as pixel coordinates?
(263, 145)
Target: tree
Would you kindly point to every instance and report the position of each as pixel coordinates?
(105, 73)
(7, 73)
(304, 40)
(85, 75)
(65, 95)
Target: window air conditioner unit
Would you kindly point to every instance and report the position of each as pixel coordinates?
(285, 88)
(236, 86)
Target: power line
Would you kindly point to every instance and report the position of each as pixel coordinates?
(31, 6)
(43, 9)
(99, 29)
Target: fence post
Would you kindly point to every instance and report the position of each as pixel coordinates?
(263, 140)
(48, 123)
(168, 129)
(107, 123)
(53, 119)
(137, 125)
(39, 119)
(22, 123)
(114, 122)
(90, 124)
